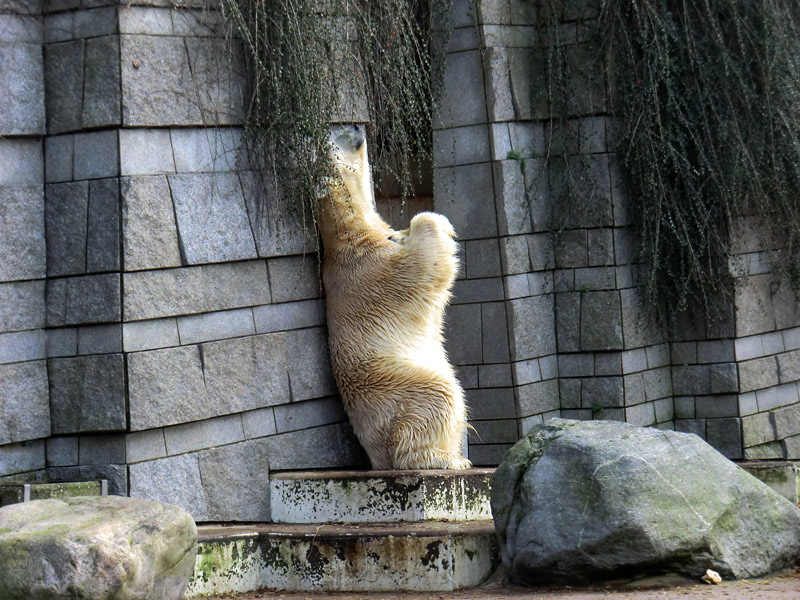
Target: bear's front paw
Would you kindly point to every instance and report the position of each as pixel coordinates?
(399, 237)
(431, 222)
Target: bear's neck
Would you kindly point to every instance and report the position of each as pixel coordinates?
(348, 223)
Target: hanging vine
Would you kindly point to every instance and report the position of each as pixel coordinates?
(312, 63)
(708, 101)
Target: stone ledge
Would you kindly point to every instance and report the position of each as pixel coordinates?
(380, 496)
(356, 558)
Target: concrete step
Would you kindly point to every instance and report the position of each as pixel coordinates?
(380, 496)
(428, 556)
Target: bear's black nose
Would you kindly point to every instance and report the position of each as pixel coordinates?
(358, 135)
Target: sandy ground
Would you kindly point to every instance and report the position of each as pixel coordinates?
(784, 586)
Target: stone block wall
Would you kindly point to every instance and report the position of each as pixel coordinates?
(159, 330)
(24, 404)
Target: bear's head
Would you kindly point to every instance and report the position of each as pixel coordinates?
(348, 152)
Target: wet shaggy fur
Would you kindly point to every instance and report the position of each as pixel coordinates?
(386, 292)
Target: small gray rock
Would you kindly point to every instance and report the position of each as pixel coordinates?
(578, 500)
(96, 547)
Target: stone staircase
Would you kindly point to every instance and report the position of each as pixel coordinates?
(357, 531)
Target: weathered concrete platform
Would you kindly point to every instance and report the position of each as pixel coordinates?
(12, 492)
(380, 496)
(386, 557)
(357, 531)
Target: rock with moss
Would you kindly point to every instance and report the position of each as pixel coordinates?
(579, 500)
(96, 548)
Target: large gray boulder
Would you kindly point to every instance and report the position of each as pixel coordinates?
(93, 548)
(576, 500)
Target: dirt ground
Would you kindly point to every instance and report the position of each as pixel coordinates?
(784, 586)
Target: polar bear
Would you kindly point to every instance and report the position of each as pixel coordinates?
(386, 292)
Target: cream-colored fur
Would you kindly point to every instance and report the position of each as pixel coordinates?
(386, 293)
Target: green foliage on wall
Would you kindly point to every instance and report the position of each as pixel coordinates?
(708, 96)
(314, 62)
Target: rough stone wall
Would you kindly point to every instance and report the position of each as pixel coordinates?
(185, 337)
(24, 405)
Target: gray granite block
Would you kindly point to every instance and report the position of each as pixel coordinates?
(218, 431)
(22, 237)
(758, 429)
(62, 342)
(96, 155)
(601, 321)
(87, 393)
(213, 225)
(488, 455)
(691, 380)
(289, 315)
(100, 339)
(780, 395)
(638, 324)
(145, 152)
(576, 365)
(512, 197)
(641, 415)
(716, 406)
(755, 312)
(62, 451)
(684, 407)
(718, 351)
(200, 23)
(24, 405)
(517, 286)
(155, 294)
(463, 339)
(531, 327)
(657, 383)
(787, 421)
(467, 376)
(568, 321)
(149, 335)
(63, 75)
(726, 436)
(174, 480)
(318, 448)
(216, 326)
(23, 161)
(595, 278)
(149, 233)
(482, 258)
(464, 195)
(102, 449)
(758, 373)
(59, 27)
(607, 392)
(769, 451)
(515, 254)
(17, 346)
(22, 457)
(534, 399)
(22, 305)
(572, 249)
(166, 387)
(101, 91)
(467, 291)
(181, 81)
(309, 365)
(499, 375)
(500, 431)
(83, 299)
(58, 153)
(145, 445)
(246, 373)
(724, 378)
(312, 413)
(294, 278)
(66, 208)
(665, 410)
(789, 366)
(491, 403)
(145, 20)
(208, 149)
(236, 481)
(235, 285)
(20, 28)
(525, 371)
(97, 22)
(461, 146)
(569, 391)
(259, 423)
(494, 325)
(748, 404)
(608, 363)
(280, 227)
(22, 82)
(103, 235)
